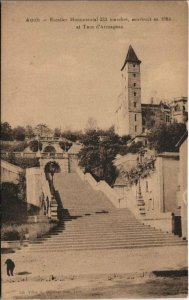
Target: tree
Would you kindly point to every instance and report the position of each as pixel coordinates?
(57, 132)
(29, 132)
(35, 146)
(6, 132)
(42, 130)
(91, 124)
(165, 137)
(72, 136)
(19, 133)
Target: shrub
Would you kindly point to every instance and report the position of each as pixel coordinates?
(35, 146)
(15, 232)
(23, 162)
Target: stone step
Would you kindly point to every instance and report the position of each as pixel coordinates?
(109, 240)
(103, 246)
(107, 228)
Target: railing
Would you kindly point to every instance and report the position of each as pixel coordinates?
(34, 155)
(48, 202)
(101, 186)
(52, 154)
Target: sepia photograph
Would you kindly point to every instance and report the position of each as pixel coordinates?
(94, 148)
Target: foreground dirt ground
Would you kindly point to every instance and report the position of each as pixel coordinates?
(97, 286)
(127, 273)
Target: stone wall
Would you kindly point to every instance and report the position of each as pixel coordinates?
(184, 187)
(34, 186)
(100, 186)
(10, 172)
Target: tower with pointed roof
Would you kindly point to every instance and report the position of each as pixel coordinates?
(128, 113)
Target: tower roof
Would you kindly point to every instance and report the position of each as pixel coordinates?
(131, 57)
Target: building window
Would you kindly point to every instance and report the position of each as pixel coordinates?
(135, 128)
(134, 93)
(146, 186)
(167, 118)
(134, 75)
(134, 104)
(135, 117)
(133, 65)
(134, 83)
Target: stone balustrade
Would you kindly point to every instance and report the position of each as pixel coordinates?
(101, 186)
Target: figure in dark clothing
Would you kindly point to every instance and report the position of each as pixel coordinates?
(10, 266)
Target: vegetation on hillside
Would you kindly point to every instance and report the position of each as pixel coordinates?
(99, 151)
(22, 162)
(165, 137)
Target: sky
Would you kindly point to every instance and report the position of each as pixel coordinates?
(57, 74)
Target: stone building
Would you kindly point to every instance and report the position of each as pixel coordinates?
(179, 110)
(156, 179)
(133, 117)
(155, 115)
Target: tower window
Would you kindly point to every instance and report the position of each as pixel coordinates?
(134, 93)
(167, 118)
(135, 117)
(146, 186)
(133, 65)
(135, 128)
(134, 75)
(134, 83)
(134, 104)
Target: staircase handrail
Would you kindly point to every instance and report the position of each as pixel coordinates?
(49, 199)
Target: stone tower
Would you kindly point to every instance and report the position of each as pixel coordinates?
(128, 113)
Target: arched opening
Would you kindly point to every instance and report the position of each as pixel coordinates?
(49, 149)
(57, 168)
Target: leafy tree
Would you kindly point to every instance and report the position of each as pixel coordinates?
(29, 132)
(72, 136)
(57, 132)
(23, 162)
(49, 149)
(19, 133)
(91, 124)
(91, 137)
(125, 139)
(6, 132)
(14, 210)
(65, 145)
(165, 137)
(42, 130)
(35, 145)
(19, 147)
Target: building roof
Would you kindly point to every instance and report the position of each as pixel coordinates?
(152, 105)
(131, 57)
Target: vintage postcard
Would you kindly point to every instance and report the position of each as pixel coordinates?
(94, 143)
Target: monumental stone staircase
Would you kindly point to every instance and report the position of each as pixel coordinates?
(88, 221)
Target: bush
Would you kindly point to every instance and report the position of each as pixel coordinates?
(23, 162)
(14, 210)
(35, 146)
(17, 232)
(13, 232)
(165, 137)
